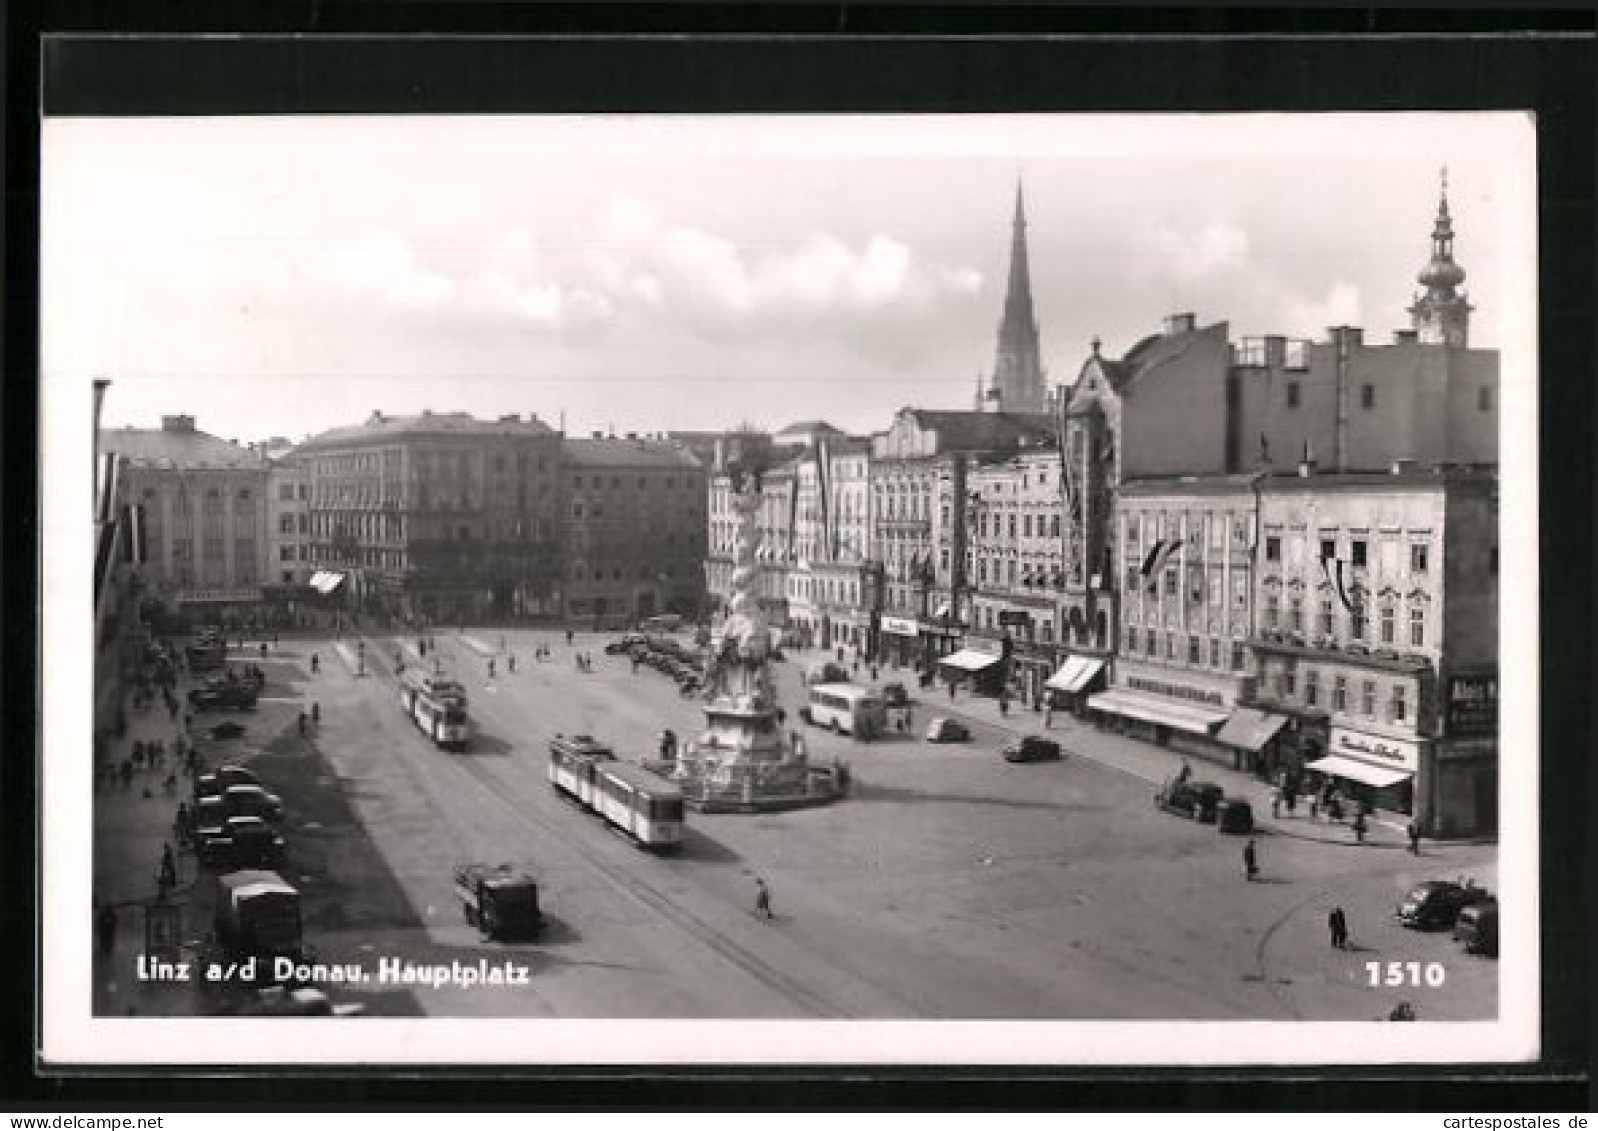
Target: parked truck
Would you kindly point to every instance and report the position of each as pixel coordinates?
(501, 901)
(258, 916)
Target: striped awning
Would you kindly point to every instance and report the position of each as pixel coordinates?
(969, 660)
(1075, 674)
(1353, 769)
(1250, 729)
(1158, 709)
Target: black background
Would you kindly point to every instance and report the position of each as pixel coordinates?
(792, 58)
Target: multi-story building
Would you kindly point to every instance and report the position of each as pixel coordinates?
(919, 503)
(1376, 598)
(440, 516)
(204, 509)
(830, 579)
(288, 531)
(1015, 561)
(1184, 675)
(635, 529)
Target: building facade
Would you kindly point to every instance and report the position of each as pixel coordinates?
(440, 516)
(635, 533)
(204, 504)
(1015, 560)
(288, 528)
(1184, 675)
(1377, 618)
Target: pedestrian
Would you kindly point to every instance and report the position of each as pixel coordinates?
(490, 669)
(180, 824)
(1048, 716)
(1337, 925)
(1251, 866)
(762, 898)
(263, 649)
(1414, 838)
(1004, 705)
(568, 637)
(1359, 826)
(1185, 772)
(168, 877)
(316, 714)
(302, 724)
(1276, 803)
(106, 925)
(510, 662)
(951, 691)
(316, 663)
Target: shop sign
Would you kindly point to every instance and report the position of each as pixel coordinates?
(1473, 704)
(1176, 691)
(900, 626)
(216, 596)
(1372, 748)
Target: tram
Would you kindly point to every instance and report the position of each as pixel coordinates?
(637, 802)
(437, 705)
(572, 765)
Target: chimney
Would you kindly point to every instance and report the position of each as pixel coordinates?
(597, 434)
(1403, 465)
(1179, 324)
(1404, 337)
(511, 418)
(427, 412)
(632, 435)
(1350, 336)
(177, 424)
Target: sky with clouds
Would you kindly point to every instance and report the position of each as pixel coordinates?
(280, 276)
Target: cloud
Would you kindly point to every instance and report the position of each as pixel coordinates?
(722, 288)
(1196, 253)
(1339, 306)
(382, 266)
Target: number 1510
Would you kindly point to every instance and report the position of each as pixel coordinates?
(1405, 973)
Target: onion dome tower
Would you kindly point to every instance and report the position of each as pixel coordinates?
(1441, 315)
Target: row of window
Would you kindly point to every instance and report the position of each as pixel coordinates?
(1149, 641)
(1287, 686)
(1367, 396)
(1358, 552)
(1358, 623)
(597, 482)
(1025, 529)
(212, 549)
(579, 571)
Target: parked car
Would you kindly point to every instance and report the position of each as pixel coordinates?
(1477, 927)
(948, 730)
(1199, 800)
(1234, 815)
(252, 801)
(1435, 904)
(215, 783)
(1032, 748)
(240, 842)
(228, 697)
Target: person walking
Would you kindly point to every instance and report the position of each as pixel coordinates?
(1337, 925)
(106, 927)
(1414, 838)
(510, 663)
(762, 898)
(1359, 825)
(1276, 803)
(1251, 866)
(490, 669)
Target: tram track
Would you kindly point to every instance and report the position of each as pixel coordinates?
(622, 879)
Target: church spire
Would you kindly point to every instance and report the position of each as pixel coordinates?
(1017, 373)
(1442, 315)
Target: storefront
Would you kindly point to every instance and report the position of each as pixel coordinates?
(981, 670)
(1077, 678)
(1177, 707)
(1253, 736)
(898, 641)
(1376, 770)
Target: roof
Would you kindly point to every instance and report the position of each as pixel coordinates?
(810, 428)
(1437, 476)
(378, 427)
(977, 430)
(1187, 484)
(616, 451)
(159, 447)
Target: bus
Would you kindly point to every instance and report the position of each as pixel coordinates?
(437, 705)
(640, 803)
(572, 765)
(847, 709)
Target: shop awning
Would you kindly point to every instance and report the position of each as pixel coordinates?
(1353, 769)
(1250, 729)
(1075, 674)
(1157, 709)
(970, 660)
(325, 581)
